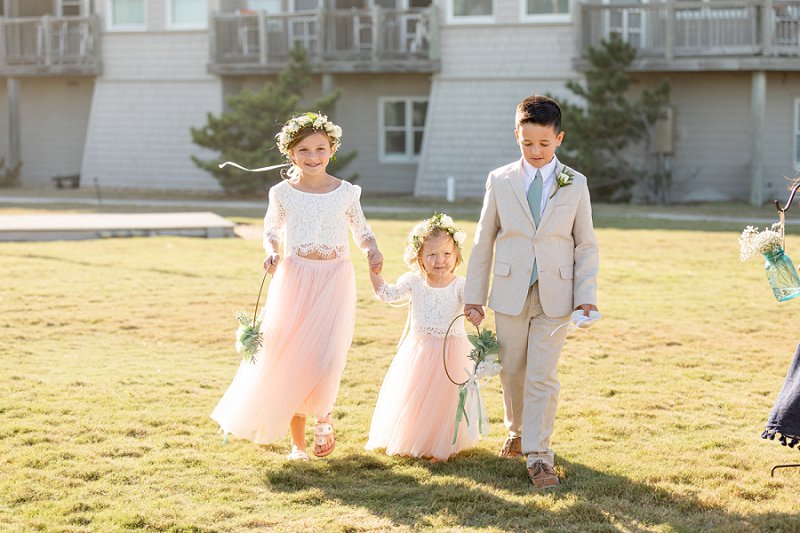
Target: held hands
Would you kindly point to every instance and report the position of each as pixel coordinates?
(586, 308)
(271, 262)
(474, 314)
(375, 258)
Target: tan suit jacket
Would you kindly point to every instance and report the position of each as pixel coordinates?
(564, 245)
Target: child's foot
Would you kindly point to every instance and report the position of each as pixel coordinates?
(297, 455)
(437, 460)
(324, 442)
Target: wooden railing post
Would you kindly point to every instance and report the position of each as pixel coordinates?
(578, 25)
(2, 42)
(767, 27)
(212, 38)
(262, 37)
(376, 33)
(433, 33)
(47, 40)
(669, 32)
(322, 21)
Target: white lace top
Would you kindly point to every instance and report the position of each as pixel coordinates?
(431, 308)
(314, 222)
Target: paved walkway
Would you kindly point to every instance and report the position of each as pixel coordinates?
(51, 227)
(207, 204)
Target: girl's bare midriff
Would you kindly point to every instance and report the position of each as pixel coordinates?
(316, 256)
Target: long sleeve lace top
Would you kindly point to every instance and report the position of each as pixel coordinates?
(315, 223)
(431, 308)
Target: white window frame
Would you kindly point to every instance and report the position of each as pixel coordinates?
(124, 27)
(409, 156)
(550, 18)
(627, 30)
(796, 138)
(452, 18)
(172, 25)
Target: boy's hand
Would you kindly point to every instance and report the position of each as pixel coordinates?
(474, 314)
(271, 262)
(586, 308)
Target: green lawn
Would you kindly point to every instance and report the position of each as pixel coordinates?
(114, 352)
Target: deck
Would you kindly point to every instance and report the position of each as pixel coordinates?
(96, 226)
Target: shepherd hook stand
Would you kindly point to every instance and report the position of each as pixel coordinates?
(782, 211)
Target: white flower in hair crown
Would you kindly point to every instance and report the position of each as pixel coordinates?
(439, 220)
(316, 121)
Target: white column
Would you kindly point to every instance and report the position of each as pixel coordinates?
(328, 84)
(758, 102)
(14, 145)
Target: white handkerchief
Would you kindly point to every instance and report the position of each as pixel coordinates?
(578, 320)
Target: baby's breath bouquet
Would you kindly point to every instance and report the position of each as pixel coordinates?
(248, 336)
(781, 273)
(753, 242)
(486, 365)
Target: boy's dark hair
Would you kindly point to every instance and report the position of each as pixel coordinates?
(538, 109)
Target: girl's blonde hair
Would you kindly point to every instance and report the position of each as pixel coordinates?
(439, 224)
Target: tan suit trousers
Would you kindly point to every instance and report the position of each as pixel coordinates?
(529, 375)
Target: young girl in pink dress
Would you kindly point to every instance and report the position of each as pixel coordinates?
(308, 316)
(416, 409)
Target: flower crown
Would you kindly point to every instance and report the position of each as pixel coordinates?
(424, 229)
(316, 121)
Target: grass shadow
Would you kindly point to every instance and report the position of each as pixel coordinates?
(478, 489)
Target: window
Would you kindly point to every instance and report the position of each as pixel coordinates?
(70, 8)
(545, 9)
(127, 14)
(188, 14)
(402, 124)
(471, 10)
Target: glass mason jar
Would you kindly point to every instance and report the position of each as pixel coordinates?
(782, 275)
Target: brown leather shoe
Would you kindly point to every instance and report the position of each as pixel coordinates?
(512, 447)
(542, 475)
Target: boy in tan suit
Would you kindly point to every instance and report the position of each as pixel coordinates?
(536, 222)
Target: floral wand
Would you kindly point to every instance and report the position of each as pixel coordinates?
(248, 334)
(486, 365)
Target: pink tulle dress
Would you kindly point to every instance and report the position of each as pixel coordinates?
(308, 316)
(416, 409)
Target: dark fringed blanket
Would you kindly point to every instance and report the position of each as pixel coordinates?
(784, 420)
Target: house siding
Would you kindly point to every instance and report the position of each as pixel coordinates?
(486, 71)
(53, 116)
(154, 88)
(713, 134)
(357, 112)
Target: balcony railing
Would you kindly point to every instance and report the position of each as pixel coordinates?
(42, 46)
(752, 32)
(377, 40)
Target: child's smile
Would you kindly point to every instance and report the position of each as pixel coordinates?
(439, 259)
(313, 154)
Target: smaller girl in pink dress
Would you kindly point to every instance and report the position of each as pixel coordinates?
(416, 409)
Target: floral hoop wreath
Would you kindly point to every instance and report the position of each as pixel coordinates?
(425, 228)
(315, 121)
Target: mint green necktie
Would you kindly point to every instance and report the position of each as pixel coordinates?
(535, 205)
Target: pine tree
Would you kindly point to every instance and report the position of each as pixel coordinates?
(599, 132)
(246, 133)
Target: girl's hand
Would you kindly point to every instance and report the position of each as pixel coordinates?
(375, 258)
(474, 314)
(271, 263)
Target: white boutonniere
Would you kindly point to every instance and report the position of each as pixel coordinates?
(563, 179)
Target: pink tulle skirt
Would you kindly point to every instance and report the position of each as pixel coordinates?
(416, 410)
(307, 328)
